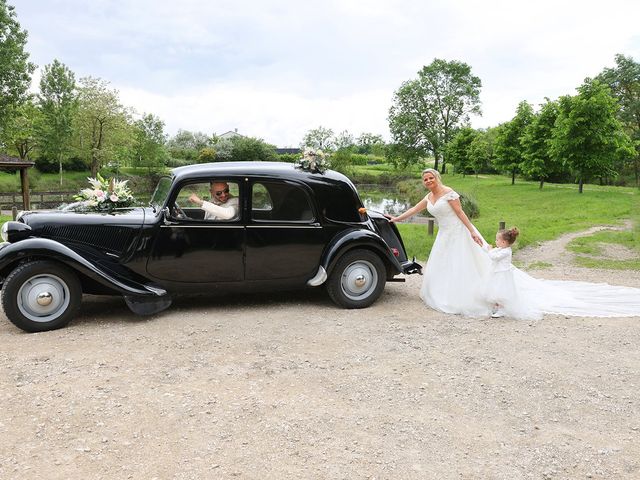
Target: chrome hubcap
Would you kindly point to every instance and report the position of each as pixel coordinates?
(359, 280)
(43, 298)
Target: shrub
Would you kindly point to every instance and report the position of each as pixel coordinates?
(46, 165)
(469, 205)
(289, 157)
(173, 162)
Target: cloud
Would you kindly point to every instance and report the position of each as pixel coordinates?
(276, 69)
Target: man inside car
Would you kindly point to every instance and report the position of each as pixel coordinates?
(222, 206)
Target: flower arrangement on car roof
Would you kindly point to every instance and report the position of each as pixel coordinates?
(313, 161)
(103, 196)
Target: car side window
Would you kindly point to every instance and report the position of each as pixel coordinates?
(279, 201)
(215, 200)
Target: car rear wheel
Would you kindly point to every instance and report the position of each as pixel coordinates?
(41, 295)
(357, 280)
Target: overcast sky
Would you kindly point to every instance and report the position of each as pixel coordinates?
(276, 69)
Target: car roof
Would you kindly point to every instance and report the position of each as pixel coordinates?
(266, 169)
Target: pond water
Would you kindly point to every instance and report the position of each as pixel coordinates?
(382, 199)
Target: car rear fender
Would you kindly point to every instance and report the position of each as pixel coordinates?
(11, 254)
(351, 239)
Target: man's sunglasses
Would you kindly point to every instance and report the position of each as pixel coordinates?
(220, 192)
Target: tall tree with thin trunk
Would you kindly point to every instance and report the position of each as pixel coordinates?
(538, 162)
(20, 131)
(427, 111)
(509, 153)
(58, 103)
(101, 123)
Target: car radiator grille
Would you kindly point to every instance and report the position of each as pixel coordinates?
(111, 239)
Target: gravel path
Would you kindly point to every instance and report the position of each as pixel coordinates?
(288, 386)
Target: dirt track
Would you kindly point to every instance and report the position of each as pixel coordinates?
(288, 386)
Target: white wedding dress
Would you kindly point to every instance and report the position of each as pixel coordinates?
(457, 271)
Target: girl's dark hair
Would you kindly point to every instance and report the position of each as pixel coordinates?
(509, 235)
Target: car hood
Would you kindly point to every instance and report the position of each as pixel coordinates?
(113, 232)
(121, 216)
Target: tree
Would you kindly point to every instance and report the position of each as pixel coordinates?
(588, 136)
(508, 146)
(370, 144)
(58, 103)
(149, 142)
(247, 149)
(102, 122)
(426, 112)
(481, 152)
(20, 131)
(15, 68)
(458, 150)
(318, 139)
(624, 82)
(538, 162)
(344, 141)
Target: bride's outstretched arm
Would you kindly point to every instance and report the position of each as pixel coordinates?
(457, 208)
(418, 207)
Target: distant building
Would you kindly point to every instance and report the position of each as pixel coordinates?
(230, 134)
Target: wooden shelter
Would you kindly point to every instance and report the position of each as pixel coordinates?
(12, 162)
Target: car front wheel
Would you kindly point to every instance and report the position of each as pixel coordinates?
(41, 295)
(357, 279)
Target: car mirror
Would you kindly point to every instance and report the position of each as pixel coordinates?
(166, 214)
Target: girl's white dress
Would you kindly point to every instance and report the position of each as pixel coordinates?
(500, 287)
(456, 280)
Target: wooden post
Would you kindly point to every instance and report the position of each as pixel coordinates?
(501, 226)
(14, 212)
(24, 179)
(430, 223)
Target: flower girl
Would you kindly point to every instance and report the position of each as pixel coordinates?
(500, 289)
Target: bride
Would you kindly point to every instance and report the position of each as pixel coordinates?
(458, 266)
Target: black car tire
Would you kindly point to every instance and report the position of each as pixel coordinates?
(357, 280)
(41, 295)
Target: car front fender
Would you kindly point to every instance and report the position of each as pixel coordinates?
(13, 253)
(358, 239)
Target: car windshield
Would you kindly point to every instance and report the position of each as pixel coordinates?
(162, 191)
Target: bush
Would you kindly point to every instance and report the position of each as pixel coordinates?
(46, 165)
(288, 157)
(173, 162)
(75, 164)
(469, 205)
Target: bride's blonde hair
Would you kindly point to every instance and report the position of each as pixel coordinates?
(434, 172)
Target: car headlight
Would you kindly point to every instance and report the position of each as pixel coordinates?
(14, 231)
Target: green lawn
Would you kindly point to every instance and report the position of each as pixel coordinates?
(539, 214)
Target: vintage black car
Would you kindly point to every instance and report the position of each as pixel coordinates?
(291, 228)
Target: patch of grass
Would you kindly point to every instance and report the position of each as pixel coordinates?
(590, 250)
(539, 265)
